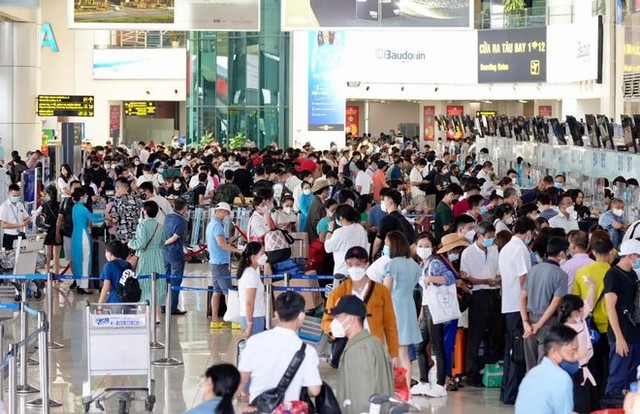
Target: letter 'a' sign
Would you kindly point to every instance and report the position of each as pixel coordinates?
(47, 39)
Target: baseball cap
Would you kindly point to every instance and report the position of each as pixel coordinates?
(351, 305)
(631, 246)
(357, 252)
(223, 206)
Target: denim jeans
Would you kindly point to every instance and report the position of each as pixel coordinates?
(257, 327)
(175, 268)
(434, 334)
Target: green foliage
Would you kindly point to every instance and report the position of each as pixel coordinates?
(511, 6)
(206, 139)
(514, 13)
(237, 142)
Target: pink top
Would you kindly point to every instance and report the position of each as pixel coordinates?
(585, 347)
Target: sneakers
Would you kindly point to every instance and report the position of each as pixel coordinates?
(421, 388)
(217, 325)
(436, 391)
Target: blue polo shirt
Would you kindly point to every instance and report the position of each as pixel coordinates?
(217, 255)
(112, 271)
(174, 223)
(546, 389)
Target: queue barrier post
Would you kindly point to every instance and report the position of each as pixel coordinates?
(23, 387)
(154, 344)
(44, 401)
(2, 353)
(51, 343)
(167, 361)
(287, 279)
(12, 397)
(269, 306)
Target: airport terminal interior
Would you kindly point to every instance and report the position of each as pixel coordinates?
(495, 141)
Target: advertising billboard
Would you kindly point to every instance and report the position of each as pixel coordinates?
(352, 120)
(124, 64)
(576, 47)
(429, 113)
(374, 14)
(326, 110)
(219, 15)
(512, 55)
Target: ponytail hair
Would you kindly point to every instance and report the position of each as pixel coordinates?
(226, 379)
(569, 304)
(251, 249)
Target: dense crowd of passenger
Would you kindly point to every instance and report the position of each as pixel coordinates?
(431, 247)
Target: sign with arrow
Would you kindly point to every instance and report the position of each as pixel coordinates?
(65, 105)
(139, 108)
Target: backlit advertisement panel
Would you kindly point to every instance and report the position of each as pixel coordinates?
(326, 111)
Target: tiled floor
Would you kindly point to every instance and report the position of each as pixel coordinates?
(193, 343)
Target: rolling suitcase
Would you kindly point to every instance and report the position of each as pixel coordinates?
(222, 309)
(459, 351)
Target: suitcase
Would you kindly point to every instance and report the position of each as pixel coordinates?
(98, 260)
(222, 309)
(459, 352)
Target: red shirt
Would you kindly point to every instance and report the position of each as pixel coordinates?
(460, 207)
(307, 165)
(379, 182)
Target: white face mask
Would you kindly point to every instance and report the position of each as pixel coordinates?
(262, 260)
(306, 191)
(618, 212)
(509, 221)
(424, 252)
(337, 330)
(177, 186)
(357, 273)
(287, 209)
(383, 206)
(453, 256)
(470, 235)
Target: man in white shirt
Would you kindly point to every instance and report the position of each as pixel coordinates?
(291, 180)
(194, 181)
(13, 217)
(416, 178)
(479, 266)
(143, 153)
(363, 180)
(230, 164)
(267, 355)
(164, 207)
(566, 218)
(514, 263)
(485, 174)
(147, 177)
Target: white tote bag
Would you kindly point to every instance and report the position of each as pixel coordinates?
(443, 303)
(233, 307)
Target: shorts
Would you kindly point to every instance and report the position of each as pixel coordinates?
(221, 275)
(420, 203)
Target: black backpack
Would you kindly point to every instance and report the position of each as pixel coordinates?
(67, 222)
(16, 171)
(129, 287)
(190, 196)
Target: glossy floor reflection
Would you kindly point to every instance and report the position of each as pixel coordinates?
(193, 343)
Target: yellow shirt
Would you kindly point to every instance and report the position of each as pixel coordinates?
(595, 271)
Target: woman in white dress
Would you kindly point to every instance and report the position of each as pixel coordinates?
(65, 180)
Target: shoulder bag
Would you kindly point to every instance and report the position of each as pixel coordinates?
(269, 400)
(133, 258)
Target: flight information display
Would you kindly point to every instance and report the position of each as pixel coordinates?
(139, 108)
(65, 105)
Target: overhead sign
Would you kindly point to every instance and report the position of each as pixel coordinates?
(139, 108)
(47, 39)
(214, 15)
(374, 14)
(512, 55)
(64, 105)
(486, 113)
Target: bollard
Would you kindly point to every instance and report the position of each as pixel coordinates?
(167, 361)
(51, 343)
(154, 305)
(287, 280)
(23, 387)
(269, 306)
(12, 397)
(44, 401)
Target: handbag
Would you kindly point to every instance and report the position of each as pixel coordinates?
(443, 302)
(133, 258)
(277, 245)
(464, 295)
(325, 402)
(233, 307)
(269, 400)
(594, 334)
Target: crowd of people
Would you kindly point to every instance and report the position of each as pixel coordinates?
(430, 245)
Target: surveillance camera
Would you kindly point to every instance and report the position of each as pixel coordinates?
(367, 88)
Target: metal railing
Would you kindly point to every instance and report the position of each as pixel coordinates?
(146, 39)
(528, 17)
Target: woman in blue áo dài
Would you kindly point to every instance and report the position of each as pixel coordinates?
(148, 244)
(81, 241)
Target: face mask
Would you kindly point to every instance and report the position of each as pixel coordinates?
(383, 207)
(488, 242)
(559, 186)
(509, 221)
(137, 163)
(306, 191)
(160, 170)
(453, 256)
(337, 330)
(570, 367)
(357, 273)
(329, 214)
(618, 212)
(424, 252)
(338, 221)
(470, 235)
(483, 210)
(262, 260)
(527, 241)
(386, 251)
(177, 186)
(636, 265)
(287, 210)
(15, 199)
(571, 210)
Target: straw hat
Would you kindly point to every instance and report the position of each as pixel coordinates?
(319, 184)
(451, 241)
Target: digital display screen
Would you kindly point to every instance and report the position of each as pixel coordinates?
(139, 108)
(64, 105)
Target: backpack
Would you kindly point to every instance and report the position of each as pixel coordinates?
(634, 313)
(404, 226)
(277, 245)
(129, 287)
(67, 222)
(16, 171)
(190, 196)
(225, 193)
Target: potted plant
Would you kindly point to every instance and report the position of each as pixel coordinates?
(514, 13)
(174, 38)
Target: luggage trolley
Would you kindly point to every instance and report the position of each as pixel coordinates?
(118, 345)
